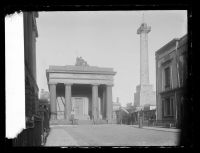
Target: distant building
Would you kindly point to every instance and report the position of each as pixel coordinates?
(148, 113)
(129, 105)
(44, 95)
(116, 108)
(149, 107)
(116, 105)
(122, 115)
(171, 73)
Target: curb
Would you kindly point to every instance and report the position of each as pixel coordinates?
(158, 129)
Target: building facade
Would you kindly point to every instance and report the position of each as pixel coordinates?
(30, 35)
(31, 136)
(45, 95)
(171, 75)
(84, 89)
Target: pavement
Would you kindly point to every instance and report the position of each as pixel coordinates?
(111, 135)
(159, 128)
(59, 137)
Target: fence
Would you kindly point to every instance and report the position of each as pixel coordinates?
(30, 136)
(164, 123)
(148, 119)
(157, 123)
(36, 134)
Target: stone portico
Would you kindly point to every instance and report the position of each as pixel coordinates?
(85, 89)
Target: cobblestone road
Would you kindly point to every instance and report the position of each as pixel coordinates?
(109, 135)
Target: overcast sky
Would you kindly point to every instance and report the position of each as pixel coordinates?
(105, 39)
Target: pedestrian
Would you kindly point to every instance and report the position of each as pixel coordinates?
(93, 119)
(72, 116)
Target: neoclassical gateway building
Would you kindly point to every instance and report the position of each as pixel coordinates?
(84, 89)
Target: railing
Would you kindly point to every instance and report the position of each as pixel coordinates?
(130, 120)
(34, 135)
(158, 123)
(30, 136)
(45, 125)
(164, 123)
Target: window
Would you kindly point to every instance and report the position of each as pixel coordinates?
(167, 77)
(168, 106)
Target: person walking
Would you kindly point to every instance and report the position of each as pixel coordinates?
(72, 116)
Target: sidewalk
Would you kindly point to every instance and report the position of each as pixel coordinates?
(59, 137)
(158, 128)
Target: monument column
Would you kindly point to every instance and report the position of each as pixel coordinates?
(144, 70)
(109, 104)
(94, 101)
(144, 91)
(53, 106)
(68, 103)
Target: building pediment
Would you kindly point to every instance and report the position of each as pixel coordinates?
(79, 74)
(80, 69)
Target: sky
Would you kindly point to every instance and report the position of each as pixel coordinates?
(105, 39)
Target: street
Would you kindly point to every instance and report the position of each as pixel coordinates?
(109, 135)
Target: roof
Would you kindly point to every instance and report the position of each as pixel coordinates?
(66, 68)
(183, 40)
(124, 110)
(166, 46)
(170, 44)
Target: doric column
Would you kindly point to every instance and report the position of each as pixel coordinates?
(53, 106)
(101, 106)
(94, 101)
(104, 103)
(68, 103)
(109, 104)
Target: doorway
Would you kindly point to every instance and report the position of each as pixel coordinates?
(80, 106)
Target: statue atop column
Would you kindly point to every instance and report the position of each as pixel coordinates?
(81, 62)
